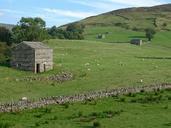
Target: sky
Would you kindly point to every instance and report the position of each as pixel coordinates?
(60, 12)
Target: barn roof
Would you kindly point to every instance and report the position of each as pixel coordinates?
(36, 45)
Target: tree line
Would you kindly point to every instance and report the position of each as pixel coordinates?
(34, 29)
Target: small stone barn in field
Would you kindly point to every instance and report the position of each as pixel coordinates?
(32, 56)
(137, 42)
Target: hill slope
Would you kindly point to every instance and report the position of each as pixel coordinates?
(158, 17)
(95, 66)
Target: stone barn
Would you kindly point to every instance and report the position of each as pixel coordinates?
(137, 42)
(32, 56)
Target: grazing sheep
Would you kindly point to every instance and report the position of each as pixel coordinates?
(24, 99)
(87, 64)
(141, 81)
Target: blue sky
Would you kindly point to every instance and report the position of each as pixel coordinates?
(59, 12)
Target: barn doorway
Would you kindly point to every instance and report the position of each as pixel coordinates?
(44, 66)
(37, 68)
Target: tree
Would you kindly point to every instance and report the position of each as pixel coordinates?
(5, 35)
(150, 33)
(5, 54)
(29, 29)
(55, 32)
(74, 31)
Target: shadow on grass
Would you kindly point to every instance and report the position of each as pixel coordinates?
(155, 58)
(88, 127)
(119, 42)
(5, 65)
(137, 37)
(167, 124)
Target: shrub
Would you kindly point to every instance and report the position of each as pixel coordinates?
(131, 94)
(46, 122)
(66, 105)
(133, 100)
(156, 93)
(93, 102)
(96, 124)
(54, 118)
(135, 29)
(4, 125)
(52, 84)
(82, 74)
(166, 107)
(37, 124)
(168, 89)
(164, 24)
(47, 110)
(169, 97)
(142, 90)
(5, 54)
(95, 114)
(5, 35)
(122, 99)
(80, 114)
(38, 115)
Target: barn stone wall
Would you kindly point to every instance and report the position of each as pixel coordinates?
(136, 41)
(23, 58)
(44, 57)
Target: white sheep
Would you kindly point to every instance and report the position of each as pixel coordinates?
(141, 81)
(24, 99)
(87, 64)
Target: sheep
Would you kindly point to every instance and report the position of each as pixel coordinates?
(24, 98)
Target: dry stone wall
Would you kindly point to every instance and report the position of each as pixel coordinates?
(42, 102)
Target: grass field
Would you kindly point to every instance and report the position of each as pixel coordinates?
(96, 65)
(115, 34)
(133, 111)
(99, 64)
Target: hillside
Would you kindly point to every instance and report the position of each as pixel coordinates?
(95, 66)
(158, 17)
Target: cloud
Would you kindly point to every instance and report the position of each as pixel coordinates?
(105, 6)
(68, 13)
(1, 13)
(137, 2)
(11, 11)
(116, 4)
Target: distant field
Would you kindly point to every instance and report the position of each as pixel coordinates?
(121, 35)
(96, 65)
(145, 110)
(115, 34)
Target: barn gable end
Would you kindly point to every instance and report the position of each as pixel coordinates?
(32, 56)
